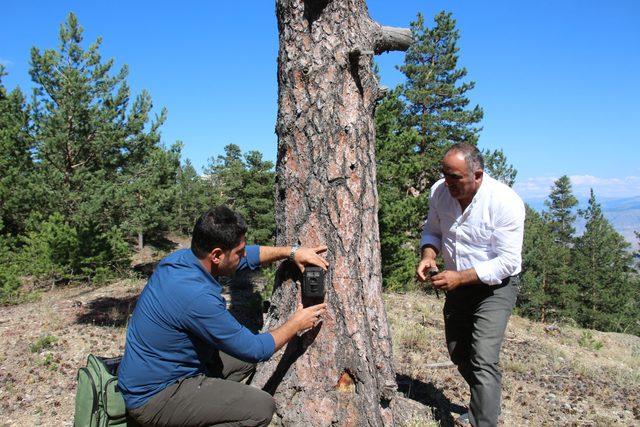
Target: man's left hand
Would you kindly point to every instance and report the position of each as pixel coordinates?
(447, 280)
(310, 256)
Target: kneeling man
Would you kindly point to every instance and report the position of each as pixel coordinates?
(185, 354)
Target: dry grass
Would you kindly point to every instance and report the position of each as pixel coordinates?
(42, 344)
(420, 421)
(561, 375)
(550, 376)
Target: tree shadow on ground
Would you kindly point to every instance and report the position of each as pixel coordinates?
(431, 396)
(162, 243)
(295, 348)
(155, 244)
(245, 302)
(145, 269)
(242, 291)
(107, 311)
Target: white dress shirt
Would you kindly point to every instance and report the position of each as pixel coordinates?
(487, 236)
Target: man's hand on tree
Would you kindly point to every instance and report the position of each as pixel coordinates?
(300, 321)
(310, 256)
(307, 318)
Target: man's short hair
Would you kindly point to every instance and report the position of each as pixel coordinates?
(219, 227)
(472, 156)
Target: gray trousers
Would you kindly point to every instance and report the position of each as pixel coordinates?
(475, 319)
(205, 400)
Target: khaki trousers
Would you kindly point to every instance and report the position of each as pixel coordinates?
(217, 399)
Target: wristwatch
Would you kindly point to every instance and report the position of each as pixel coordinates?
(294, 249)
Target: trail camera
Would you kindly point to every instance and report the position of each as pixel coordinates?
(313, 282)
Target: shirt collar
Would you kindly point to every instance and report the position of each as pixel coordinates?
(193, 260)
(479, 195)
(481, 190)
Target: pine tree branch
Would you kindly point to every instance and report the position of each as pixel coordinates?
(84, 162)
(391, 39)
(50, 160)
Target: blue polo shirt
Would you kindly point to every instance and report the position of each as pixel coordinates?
(179, 320)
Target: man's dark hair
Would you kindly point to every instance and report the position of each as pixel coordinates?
(472, 156)
(219, 227)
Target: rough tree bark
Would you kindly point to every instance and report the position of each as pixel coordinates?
(341, 372)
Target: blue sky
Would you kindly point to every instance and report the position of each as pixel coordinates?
(558, 80)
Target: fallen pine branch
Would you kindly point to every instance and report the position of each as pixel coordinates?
(440, 365)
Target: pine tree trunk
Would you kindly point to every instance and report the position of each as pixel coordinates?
(140, 241)
(340, 372)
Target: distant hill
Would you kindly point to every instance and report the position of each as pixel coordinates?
(623, 213)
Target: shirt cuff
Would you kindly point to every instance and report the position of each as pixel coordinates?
(252, 253)
(268, 345)
(484, 270)
(428, 239)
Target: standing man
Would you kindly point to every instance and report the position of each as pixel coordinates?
(476, 223)
(185, 354)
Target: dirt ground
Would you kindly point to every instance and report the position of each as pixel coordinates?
(553, 375)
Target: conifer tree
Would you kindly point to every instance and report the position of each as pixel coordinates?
(561, 213)
(436, 96)
(402, 206)
(148, 193)
(91, 141)
(9, 270)
(555, 284)
(246, 184)
(415, 125)
(86, 130)
(326, 194)
(194, 195)
(495, 163)
(225, 175)
(19, 189)
(547, 291)
(258, 196)
(603, 271)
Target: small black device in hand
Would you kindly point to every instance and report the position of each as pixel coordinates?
(313, 282)
(432, 272)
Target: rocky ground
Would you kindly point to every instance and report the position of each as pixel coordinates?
(553, 375)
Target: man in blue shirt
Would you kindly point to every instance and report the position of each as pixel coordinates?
(185, 354)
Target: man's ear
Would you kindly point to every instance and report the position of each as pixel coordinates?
(478, 174)
(216, 256)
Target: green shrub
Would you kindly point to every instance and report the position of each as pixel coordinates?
(54, 250)
(101, 254)
(588, 341)
(42, 343)
(49, 249)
